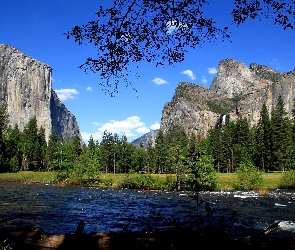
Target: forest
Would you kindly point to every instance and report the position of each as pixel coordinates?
(269, 146)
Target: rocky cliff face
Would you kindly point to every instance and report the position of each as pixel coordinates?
(236, 90)
(26, 86)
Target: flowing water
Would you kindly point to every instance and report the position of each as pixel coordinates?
(59, 209)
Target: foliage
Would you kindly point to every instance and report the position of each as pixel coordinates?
(130, 31)
(248, 176)
(170, 182)
(225, 105)
(203, 175)
(160, 32)
(138, 181)
(263, 146)
(282, 141)
(4, 118)
(288, 179)
(182, 157)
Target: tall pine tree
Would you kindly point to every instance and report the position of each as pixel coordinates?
(263, 149)
(282, 137)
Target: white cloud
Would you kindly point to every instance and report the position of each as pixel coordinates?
(89, 89)
(159, 81)
(189, 73)
(132, 127)
(212, 70)
(204, 80)
(142, 130)
(124, 126)
(64, 94)
(155, 126)
(96, 123)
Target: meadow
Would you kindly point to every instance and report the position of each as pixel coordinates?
(226, 181)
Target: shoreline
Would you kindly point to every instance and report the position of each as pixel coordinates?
(36, 239)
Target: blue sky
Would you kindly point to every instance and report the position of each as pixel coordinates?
(36, 28)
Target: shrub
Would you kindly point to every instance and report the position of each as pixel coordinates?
(140, 181)
(62, 176)
(288, 179)
(107, 182)
(203, 175)
(170, 182)
(248, 177)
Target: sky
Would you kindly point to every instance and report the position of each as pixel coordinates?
(36, 27)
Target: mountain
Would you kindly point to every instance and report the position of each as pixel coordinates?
(151, 135)
(237, 90)
(26, 87)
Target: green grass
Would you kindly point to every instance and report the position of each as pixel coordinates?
(226, 181)
(29, 176)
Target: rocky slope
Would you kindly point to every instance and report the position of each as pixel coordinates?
(236, 90)
(149, 136)
(26, 86)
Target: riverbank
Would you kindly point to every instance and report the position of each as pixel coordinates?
(26, 239)
(226, 181)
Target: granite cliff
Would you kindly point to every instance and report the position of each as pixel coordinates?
(26, 86)
(236, 90)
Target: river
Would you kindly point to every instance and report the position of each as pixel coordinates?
(58, 209)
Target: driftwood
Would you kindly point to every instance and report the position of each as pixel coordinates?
(265, 231)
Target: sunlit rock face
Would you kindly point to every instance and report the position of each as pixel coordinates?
(26, 86)
(236, 90)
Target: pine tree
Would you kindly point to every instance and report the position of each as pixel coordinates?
(139, 158)
(264, 140)
(228, 140)
(283, 147)
(241, 141)
(108, 148)
(124, 153)
(41, 149)
(151, 157)
(4, 119)
(161, 152)
(217, 147)
(30, 142)
(13, 147)
(52, 147)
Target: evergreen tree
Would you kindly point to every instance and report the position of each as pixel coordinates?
(41, 148)
(161, 152)
(241, 141)
(30, 142)
(217, 147)
(76, 146)
(124, 153)
(92, 146)
(283, 147)
(151, 157)
(4, 119)
(139, 158)
(192, 147)
(108, 148)
(228, 139)
(52, 147)
(264, 140)
(13, 148)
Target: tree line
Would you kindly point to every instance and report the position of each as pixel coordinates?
(269, 146)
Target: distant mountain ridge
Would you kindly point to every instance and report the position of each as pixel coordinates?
(151, 135)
